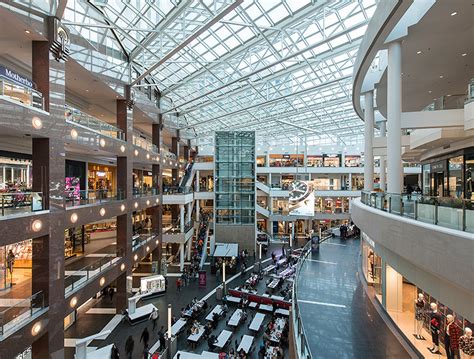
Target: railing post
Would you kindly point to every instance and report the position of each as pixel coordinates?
(401, 205)
(436, 213)
(464, 225)
(3, 205)
(390, 204)
(415, 210)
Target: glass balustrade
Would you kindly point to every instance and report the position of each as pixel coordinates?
(20, 312)
(83, 197)
(80, 118)
(14, 203)
(21, 94)
(446, 212)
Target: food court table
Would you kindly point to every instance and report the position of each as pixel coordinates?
(197, 336)
(257, 322)
(245, 344)
(282, 311)
(222, 339)
(178, 326)
(218, 310)
(235, 319)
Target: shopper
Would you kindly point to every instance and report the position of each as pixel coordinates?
(114, 354)
(129, 344)
(145, 337)
(154, 318)
(111, 293)
(161, 336)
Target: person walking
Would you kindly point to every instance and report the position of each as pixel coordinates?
(161, 337)
(111, 293)
(145, 337)
(129, 344)
(154, 318)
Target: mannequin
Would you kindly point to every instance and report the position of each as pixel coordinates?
(466, 344)
(419, 314)
(435, 325)
(451, 338)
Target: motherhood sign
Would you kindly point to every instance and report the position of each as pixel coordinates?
(15, 77)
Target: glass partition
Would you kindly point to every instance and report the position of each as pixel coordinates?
(21, 94)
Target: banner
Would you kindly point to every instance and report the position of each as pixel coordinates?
(301, 201)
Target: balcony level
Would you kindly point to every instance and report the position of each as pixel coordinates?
(429, 243)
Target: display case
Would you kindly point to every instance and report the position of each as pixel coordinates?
(152, 286)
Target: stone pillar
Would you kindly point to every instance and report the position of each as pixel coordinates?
(125, 187)
(157, 211)
(394, 111)
(175, 150)
(197, 185)
(181, 218)
(48, 177)
(198, 209)
(369, 138)
(181, 256)
(383, 181)
(186, 152)
(189, 212)
(188, 249)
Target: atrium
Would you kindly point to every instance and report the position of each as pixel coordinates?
(264, 179)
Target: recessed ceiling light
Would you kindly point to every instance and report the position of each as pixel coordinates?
(464, 54)
(430, 91)
(27, 31)
(454, 13)
(441, 76)
(418, 52)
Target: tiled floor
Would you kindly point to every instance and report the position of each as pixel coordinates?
(339, 319)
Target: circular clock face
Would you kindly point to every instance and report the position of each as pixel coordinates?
(298, 191)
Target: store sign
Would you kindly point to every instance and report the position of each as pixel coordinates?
(15, 77)
(202, 278)
(301, 199)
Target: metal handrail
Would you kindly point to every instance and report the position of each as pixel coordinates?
(21, 200)
(21, 312)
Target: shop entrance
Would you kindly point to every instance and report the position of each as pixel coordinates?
(438, 184)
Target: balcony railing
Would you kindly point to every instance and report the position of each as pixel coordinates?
(21, 312)
(142, 192)
(175, 227)
(80, 277)
(446, 212)
(21, 202)
(143, 142)
(143, 237)
(77, 117)
(21, 94)
(299, 335)
(83, 197)
(177, 190)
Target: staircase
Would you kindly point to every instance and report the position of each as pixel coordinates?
(262, 211)
(187, 179)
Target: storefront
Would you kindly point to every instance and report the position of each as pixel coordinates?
(332, 204)
(142, 180)
(19, 88)
(314, 161)
(102, 178)
(332, 160)
(15, 263)
(352, 161)
(410, 307)
(327, 184)
(261, 161)
(450, 175)
(287, 160)
(15, 171)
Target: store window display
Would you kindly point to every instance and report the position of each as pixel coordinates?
(420, 309)
(451, 338)
(435, 326)
(352, 161)
(15, 263)
(466, 344)
(102, 179)
(314, 161)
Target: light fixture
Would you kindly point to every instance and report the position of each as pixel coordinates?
(430, 91)
(102, 212)
(157, 241)
(464, 54)
(147, 248)
(102, 142)
(122, 207)
(441, 76)
(36, 225)
(74, 217)
(157, 200)
(122, 148)
(136, 152)
(147, 156)
(418, 52)
(102, 281)
(135, 205)
(37, 123)
(73, 302)
(36, 329)
(122, 267)
(454, 13)
(27, 31)
(147, 202)
(87, 90)
(73, 133)
(135, 257)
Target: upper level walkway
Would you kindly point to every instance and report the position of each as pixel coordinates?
(339, 319)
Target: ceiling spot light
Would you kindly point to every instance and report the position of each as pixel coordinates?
(74, 134)
(122, 148)
(147, 156)
(136, 152)
(102, 212)
(147, 249)
(157, 200)
(418, 52)
(36, 225)
(122, 267)
(102, 142)
(441, 76)
(147, 202)
(87, 90)
(454, 13)
(135, 257)
(102, 281)
(135, 205)
(74, 217)
(37, 123)
(73, 302)
(122, 207)
(27, 32)
(36, 329)
(464, 54)
(430, 91)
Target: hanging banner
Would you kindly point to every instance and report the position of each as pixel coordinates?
(301, 201)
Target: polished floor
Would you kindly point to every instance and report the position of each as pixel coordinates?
(338, 317)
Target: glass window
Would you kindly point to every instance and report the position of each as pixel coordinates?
(426, 179)
(469, 170)
(455, 185)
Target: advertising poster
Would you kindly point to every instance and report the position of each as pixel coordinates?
(202, 278)
(301, 201)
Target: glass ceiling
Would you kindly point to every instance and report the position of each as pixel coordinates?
(280, 67)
